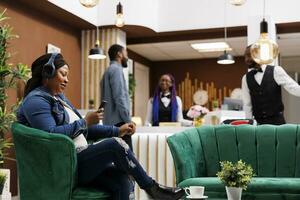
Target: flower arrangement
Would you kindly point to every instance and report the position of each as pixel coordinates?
(197, 111)
(237, 175)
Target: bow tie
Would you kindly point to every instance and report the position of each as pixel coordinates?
(259, 70)
(168, 96)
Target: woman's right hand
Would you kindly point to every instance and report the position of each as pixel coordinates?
(92, 118)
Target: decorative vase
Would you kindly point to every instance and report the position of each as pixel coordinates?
(198, 121)
(234, 193)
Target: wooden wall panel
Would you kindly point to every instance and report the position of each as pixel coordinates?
(36, 30)
(92, 70)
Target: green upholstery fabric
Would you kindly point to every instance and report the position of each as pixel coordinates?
(272, 151)
(47, 166)
(82, 193)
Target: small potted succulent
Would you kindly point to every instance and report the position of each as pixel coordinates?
(236, 177)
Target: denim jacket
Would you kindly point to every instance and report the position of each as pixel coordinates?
(41, 111)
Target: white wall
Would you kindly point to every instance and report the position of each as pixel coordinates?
(174, 15)
(141, 95)
(291, 103)
(198, 14)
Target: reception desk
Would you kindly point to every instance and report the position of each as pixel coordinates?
(152, 151)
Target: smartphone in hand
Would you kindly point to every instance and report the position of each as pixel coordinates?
(102, 105)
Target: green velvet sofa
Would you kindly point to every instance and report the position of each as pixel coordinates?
(47, 167)
(272, 151)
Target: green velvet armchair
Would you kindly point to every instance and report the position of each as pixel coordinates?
(272, 151)
(47, 167)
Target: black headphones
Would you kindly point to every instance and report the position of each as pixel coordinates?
(49, 67)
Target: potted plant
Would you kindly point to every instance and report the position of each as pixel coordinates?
(236, 177)
(197, 113)
(2, 181)
(9, 75)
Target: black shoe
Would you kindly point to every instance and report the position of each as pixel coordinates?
(160, 192)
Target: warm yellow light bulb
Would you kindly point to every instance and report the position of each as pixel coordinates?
(89, 3)
(264, 51)
(120, 20)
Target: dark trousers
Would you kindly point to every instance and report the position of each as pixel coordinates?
(275, 120)
(126, 138)
(107, 165)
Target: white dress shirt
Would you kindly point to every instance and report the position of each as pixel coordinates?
(166, 101)
(280, 77)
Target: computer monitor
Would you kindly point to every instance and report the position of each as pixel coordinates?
(233, 104)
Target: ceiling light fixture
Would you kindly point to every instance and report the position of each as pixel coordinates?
(264, 50)
(237, 2)
(120, 18)
(97, 53)
(89, 3)
(225, 58)
(211, 47)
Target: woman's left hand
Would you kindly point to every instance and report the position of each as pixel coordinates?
(133, 127)
(127, 129)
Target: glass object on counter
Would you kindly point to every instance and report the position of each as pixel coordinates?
(215, 120)
(198, 121)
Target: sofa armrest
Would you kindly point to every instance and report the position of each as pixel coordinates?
(46, 163)
(186, 150)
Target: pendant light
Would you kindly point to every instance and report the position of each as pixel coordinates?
(97, 53)
(225, 58)
(89, 3)
(237, 2)
(120, 18)
(264, 50)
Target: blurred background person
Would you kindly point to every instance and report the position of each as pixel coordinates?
(165, 105)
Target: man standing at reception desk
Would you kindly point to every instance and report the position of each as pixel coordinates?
(114, 89)
(261, 88)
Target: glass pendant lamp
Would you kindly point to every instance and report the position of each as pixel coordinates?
(89, 3)
(120, 18)
(237, 2)
(264, 50)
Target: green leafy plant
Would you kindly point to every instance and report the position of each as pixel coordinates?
(9, 75)
(131, 85)
(2, 181)
(238, 174)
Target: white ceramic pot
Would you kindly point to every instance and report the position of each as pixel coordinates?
(234, 193)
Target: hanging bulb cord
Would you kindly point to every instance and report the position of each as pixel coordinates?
(225, 28)
(97, 28)
(264, 9)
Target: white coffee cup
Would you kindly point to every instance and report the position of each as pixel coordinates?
(194, 191)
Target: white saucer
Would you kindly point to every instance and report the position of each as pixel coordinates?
(203, 197)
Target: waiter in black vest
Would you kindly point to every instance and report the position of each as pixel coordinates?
(261, 88)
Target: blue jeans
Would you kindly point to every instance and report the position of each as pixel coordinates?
(107, 164)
